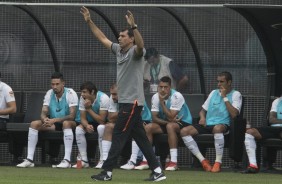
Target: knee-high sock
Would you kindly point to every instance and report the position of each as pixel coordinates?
(251, 147)
(193, 147)
(81, 143)
(100, 130)
(134, 152)
(144, 159)
(32, 141)
(173, 154)
(68, 140)
(106, 148)
(219, 146)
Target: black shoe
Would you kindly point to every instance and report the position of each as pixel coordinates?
(103, 176)
(250, 170)
(156, 177)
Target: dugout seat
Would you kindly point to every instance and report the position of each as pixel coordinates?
(234, 141)
(269, 146)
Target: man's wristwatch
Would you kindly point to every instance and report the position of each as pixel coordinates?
(134, 27)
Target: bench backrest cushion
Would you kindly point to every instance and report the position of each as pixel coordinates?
(34, 106)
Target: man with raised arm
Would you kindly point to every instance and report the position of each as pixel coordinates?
(130, 68)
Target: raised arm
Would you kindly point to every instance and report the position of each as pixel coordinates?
(137, 36)
(95, 30)
(232, 110)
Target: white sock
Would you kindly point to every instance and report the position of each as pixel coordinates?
(134, 152)
(158, 170)
(106, 148)
(144, 159)
(193, 147)
(100, 130)
(251, 147)
(109, 173)
(219, 146)
(173, 155)
(32, 141)
(81, 143)
(68, 140)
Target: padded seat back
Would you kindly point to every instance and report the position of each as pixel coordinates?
(19, 115)
(34, 106)
(237, 136)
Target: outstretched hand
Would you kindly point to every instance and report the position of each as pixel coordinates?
(85, 12)
(130, 19)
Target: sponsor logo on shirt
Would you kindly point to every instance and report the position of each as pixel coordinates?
(11, 94)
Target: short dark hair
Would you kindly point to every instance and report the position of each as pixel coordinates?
(227, 75)
(129, 32)
(166, 79)
(151, 52)
(113, 86)
(90, 86)
(57, 75)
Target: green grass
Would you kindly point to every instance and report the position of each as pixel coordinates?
(45, 175)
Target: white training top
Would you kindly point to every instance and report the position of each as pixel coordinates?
(6, 96)
(236, 100)
(113, 107)
(104, 103)
(71, 97)
(274, 108)
(176, 103)
(275, 104)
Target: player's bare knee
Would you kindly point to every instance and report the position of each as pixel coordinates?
(68, 124)
(36, 124)
(218, 129)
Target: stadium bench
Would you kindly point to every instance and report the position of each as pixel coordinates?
(49, 141)
(4, 137)
(234, 141)
(269, 146)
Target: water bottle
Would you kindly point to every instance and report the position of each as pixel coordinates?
(78, 162)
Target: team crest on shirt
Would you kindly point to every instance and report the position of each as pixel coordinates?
(175, 96)
(11, 94)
